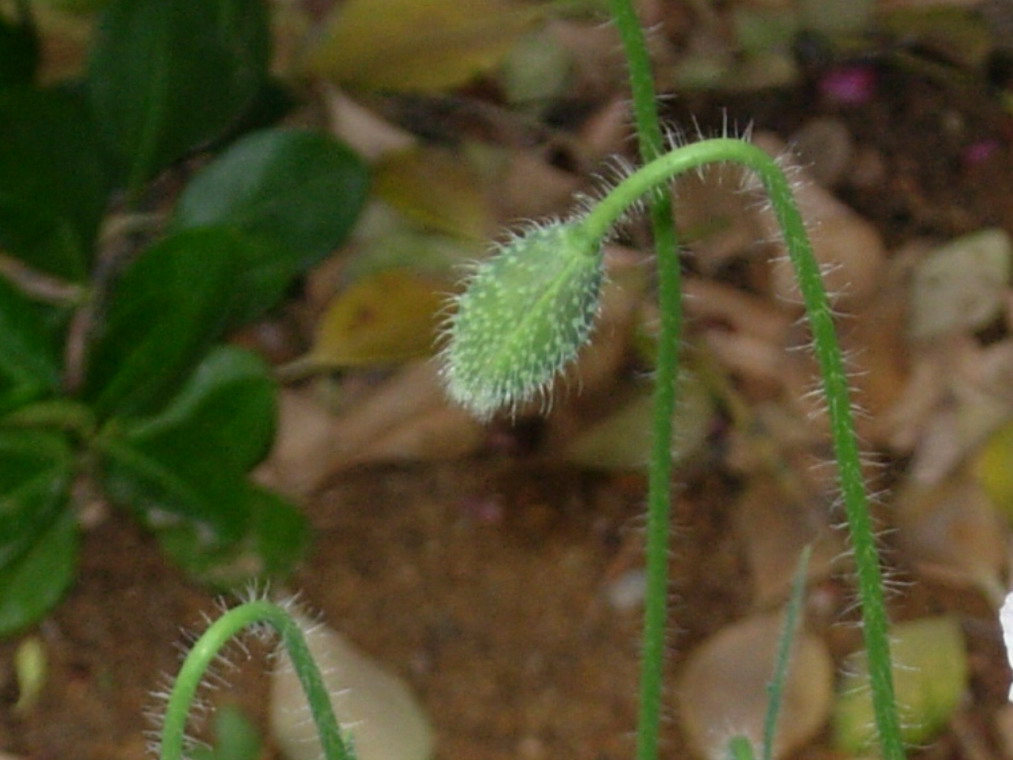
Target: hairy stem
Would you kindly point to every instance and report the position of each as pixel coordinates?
(666, 245)
(206, 650)
(834, 377)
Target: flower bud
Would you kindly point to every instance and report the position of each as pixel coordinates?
(525, 314)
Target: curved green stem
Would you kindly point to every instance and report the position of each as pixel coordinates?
(666, 246)
(206, 650)
(834, 377)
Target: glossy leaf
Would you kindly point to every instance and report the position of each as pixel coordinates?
(274, 540)
(167, 309)
(19, 51)
(38, 536)
(53, 186)
(383, 318)
(170, 485)
(167, 76)
(32, 586)
(417, 45)
(294, 194)
(226, 410)
(29, 358)
(930, 673)
(35, 472)
(184, 470)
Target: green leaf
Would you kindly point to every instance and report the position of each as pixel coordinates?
(30, 588)
(236, 737)
(53, 186)
(274, 542)
(184, 470)
(167, 76)
(35, 472)
(225, 410)
(38, 536)
(19, 51)
(167, 484)
(29, 357)
(296, 192)
(167, 309)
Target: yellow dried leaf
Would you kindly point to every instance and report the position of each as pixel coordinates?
(993, 471)
(417, 45)
(437, 189)
(385, 318)
(930, 673)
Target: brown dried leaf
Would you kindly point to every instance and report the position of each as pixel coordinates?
(952, 533)
(437, 189)
(723, 690)
(775, 528)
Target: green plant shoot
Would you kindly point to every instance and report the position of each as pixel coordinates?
(206, 649)
(526, 313)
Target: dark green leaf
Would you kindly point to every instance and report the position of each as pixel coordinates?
(35, 473)
(297, 192)
(167, 76)
(280, 534)
(226, 410)
(168, 485)
(38, 535)
(167, 309)
(274, 542)
(29, 357)
(53, 186)
(32, 586)
(19, 51)
(236, 737)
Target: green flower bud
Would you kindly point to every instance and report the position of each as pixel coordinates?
(525, 314)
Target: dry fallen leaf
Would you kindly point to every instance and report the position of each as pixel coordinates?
(930, 672)
(775, 528)
(384, 718)
(417, 45)
(723, 690)
(952, 533)
(437, 189)
(406, 418)
(622, 440)
(384, 318)
(961, 285)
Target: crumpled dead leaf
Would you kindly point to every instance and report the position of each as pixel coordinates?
(722, 691)
(405, 418)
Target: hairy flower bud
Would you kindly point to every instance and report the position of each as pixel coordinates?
(525, 314)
